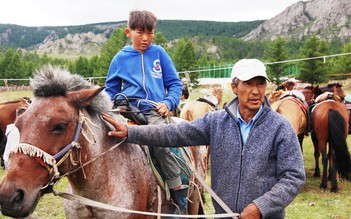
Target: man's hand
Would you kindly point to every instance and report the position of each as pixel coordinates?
(250, 212)
(121, 129)
(162, 109)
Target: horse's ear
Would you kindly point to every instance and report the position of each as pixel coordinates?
(83, 98)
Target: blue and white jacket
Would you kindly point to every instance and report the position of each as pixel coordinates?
(150, 76)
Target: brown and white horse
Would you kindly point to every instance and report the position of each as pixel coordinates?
(62, 134)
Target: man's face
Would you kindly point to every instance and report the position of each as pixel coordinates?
(251, 93)
(141, 39)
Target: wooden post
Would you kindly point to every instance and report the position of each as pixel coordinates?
(188, 81)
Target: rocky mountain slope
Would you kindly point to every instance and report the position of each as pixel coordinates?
(327, 19)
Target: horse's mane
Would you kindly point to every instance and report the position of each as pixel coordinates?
(334, 85)
(52, 81)
(11, 101)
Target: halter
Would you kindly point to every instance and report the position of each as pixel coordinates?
(48, 161)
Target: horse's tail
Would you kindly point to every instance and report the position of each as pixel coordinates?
(337, 139)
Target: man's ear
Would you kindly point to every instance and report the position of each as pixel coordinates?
(233, 88)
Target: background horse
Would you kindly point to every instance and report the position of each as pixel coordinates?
(69, 138)
(334, 88)
(294, 110)
(329, 122)
(8, 116)
(196, 108)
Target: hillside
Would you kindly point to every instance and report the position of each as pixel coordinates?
(328, 19)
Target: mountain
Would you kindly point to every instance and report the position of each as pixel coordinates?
(88, 39)
(328, 19)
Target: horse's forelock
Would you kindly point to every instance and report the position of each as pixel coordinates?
(54, 81)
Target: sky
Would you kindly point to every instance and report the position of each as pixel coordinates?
(80, 12)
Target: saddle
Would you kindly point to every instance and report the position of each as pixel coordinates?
(128, 110)
(209, 99)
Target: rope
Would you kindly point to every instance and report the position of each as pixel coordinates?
(92, 203)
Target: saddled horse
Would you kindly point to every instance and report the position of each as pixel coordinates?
(8, 116)
(199, 107)
(291, 105)
(329, 122)
(287, 85)
(334, 88)
(63, 135)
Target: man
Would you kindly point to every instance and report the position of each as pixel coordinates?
(256, 162)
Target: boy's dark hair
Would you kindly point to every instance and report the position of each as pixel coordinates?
(142, 19)
(185, 92)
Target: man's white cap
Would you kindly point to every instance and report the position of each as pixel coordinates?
(245, 69)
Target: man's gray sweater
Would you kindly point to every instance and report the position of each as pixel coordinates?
(268, 170)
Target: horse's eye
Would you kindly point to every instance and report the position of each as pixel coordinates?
(60, 128)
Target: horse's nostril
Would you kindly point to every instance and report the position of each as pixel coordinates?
(17, 198)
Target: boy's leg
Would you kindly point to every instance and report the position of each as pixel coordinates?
(170, 168)
(168, 164)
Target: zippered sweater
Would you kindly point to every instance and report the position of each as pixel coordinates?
(147, 76)
(268, 170)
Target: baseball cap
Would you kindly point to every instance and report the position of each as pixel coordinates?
(245, 69)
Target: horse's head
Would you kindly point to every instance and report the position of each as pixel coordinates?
(274, 96)
(218, 92)
(47, 127)
(339, 91)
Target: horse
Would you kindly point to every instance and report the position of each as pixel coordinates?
(329, 123)
(291, 105)
(199, 107)
(8, 116)
(287, 85)
(63, 135)
(334, 88)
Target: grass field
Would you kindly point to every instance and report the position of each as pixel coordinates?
(312, 202)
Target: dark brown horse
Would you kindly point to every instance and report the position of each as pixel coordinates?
(63, 134)
(335, 88)
(329, 122)
(8, 116)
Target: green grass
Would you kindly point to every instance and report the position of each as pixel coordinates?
(312, 202)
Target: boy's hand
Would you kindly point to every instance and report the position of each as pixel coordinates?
(162, 109)
(121, 129)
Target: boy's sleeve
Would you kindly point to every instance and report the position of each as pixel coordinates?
(113, 83)
(172, 83)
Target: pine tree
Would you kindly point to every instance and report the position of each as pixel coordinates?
(276, 52)
(313, 70)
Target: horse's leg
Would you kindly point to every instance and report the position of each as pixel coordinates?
(316, 154)
(332, 170)
(300, 137)
(325, 158)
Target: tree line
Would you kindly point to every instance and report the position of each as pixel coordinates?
(188, 54)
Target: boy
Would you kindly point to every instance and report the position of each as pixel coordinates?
(145, 73)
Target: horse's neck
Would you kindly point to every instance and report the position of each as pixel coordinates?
(117, 172)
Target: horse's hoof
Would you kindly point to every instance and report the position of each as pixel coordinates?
(322, 186)
(334, 190)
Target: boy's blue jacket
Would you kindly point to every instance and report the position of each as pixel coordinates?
(149, 76)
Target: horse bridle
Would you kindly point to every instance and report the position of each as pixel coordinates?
(50, 161)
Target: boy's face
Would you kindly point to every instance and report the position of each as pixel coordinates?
(141, 39)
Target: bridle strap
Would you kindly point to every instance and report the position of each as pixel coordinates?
(48, 161)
